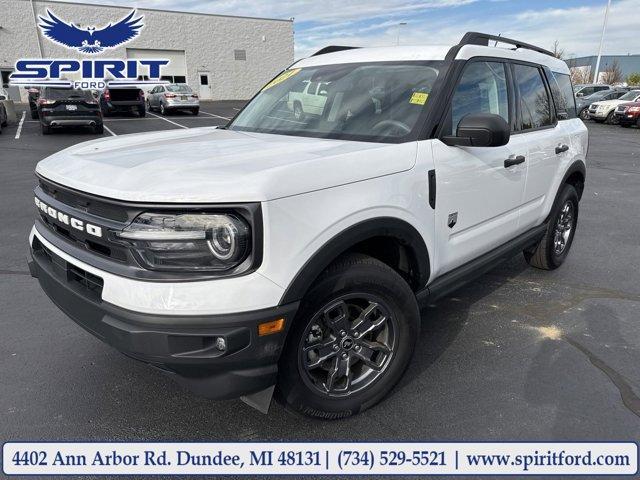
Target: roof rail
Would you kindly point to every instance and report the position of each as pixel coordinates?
(331, 49)
(477, 38)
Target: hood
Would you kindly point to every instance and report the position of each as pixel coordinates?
(207, 165)
(609, 102)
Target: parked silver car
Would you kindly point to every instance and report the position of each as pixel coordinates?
(175, 96)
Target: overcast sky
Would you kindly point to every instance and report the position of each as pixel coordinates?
(575, 24)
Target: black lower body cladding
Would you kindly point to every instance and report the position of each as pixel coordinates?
(215, 356)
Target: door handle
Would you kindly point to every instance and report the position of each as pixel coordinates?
(561, 149)
(511, 161)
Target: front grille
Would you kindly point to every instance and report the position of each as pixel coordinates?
(86, 283)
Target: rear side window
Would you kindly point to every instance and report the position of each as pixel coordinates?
(535, 106)
(482, 89)
(563, 98)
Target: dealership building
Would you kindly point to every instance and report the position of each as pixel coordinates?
(219, 56)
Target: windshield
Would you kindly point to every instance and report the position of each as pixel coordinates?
(370, 102)
(598, 95)
(65, 93)
(179, 88)
(631, 95)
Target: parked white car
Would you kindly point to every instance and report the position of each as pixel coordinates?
(604, 111)
(279, 254)
(310, 100)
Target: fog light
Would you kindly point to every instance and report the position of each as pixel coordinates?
(221, 344)
(274, 326)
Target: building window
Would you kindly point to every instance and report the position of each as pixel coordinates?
(240, 54)
(204, 79)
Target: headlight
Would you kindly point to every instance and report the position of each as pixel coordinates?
(188, 242)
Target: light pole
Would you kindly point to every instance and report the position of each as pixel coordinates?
(604, 27)
(400, 25)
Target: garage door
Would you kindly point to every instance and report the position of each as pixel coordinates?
(175, 72)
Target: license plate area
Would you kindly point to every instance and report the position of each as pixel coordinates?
(71, 108)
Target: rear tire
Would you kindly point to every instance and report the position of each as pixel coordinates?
(34, 114)
(552, 250)
(195, 111)
(46, 130)
(163, 111)
(142, 112)
(98, 129)
(364, 319)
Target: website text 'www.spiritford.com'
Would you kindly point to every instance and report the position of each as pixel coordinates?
(310, 458)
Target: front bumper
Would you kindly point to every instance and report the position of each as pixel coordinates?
(598, 115)
(626, 119)
(185, 346)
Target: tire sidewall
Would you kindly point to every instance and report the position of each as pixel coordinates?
(568, 194)
(360, 278)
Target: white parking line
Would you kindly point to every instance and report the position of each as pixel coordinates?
(236, 109)
(20, 125)
(167, 120)
(214, 115)
(109, 130)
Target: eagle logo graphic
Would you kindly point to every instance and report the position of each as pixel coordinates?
(90, 40)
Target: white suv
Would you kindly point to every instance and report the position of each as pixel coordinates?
(293, 255)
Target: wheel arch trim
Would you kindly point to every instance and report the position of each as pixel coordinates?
(392, 227)
(578, 166)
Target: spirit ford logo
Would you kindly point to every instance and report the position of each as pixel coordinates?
(89, 40)
(68, 220)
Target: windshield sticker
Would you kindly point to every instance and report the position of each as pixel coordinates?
(281, 78)
(419, 98)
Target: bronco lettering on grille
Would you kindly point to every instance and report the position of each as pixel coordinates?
(68, 220)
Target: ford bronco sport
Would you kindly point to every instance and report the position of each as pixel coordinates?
(290, 256)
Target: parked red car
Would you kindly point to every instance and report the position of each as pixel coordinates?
(628, 114)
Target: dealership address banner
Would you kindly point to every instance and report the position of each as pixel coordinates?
(309, 458)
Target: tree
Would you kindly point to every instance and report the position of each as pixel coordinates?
(612, 75)
(633, 78)
(557, 51)
(580, 75)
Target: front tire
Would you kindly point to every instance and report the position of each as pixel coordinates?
(351, 340)
(584, 114)
(298, 112)
(553, 248)
(611, 119)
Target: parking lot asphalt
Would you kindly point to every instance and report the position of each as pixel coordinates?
(520, 354)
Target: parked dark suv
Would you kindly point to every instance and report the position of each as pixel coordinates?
(64, 107)
(123, 100)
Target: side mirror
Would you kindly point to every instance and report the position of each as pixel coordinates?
(323, 93)
(480, 130)
(579, 94)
